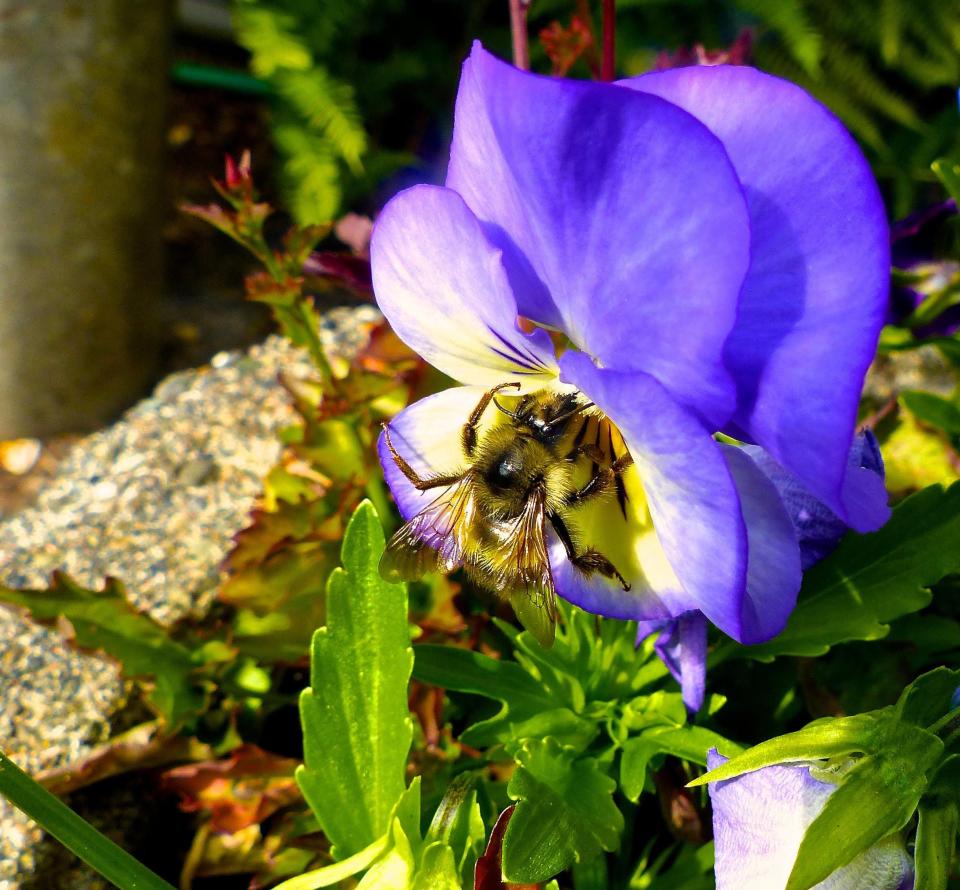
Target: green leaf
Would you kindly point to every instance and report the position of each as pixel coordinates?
(565, 813)
(463, 670)
(356, 726)
(928, 697)
(936, 842)
(820, 740)
(77, 835)
(437, 869)
(933, 409)
(458, 825)
(105, 620)
(851, 820)
(870, 580)
(339, 871)
(689, 743)
(937, 830)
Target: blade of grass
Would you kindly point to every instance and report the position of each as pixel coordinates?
(76, 834)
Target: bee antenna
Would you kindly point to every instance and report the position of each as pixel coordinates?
(506, 411)
(570, 414)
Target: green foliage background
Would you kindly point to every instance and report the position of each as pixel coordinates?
(363, 88)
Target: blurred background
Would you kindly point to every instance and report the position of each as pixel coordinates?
(116, 112)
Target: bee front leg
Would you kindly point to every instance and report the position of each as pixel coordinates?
(416, 480)
(468, 435)
(589, 561)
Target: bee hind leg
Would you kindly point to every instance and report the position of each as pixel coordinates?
(600, 481)
(416, 480)
(590, 561)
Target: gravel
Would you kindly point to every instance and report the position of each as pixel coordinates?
(153, 500)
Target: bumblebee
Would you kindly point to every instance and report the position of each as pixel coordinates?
(491, 515)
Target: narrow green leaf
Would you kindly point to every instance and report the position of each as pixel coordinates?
(872, 579)
(936, 842)
(458, 825)
(105, 620)
(356, 725)
(525, 701)
(464, 670)
(818, 741)
(877, 796)
(565, 813)
(77, 835)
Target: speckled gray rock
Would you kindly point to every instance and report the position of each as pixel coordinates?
(155, 501)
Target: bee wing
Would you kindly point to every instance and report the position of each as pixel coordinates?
(434, 538)
(534, 601)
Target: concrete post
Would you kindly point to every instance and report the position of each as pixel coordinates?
(82, 87)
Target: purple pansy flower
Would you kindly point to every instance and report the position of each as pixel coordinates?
(759, 819)
(713, 246)
(682, 644)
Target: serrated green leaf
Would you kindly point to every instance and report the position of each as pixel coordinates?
(565, 813)
(104, 620)
(356, 726)
(869, 580)
(819, 740)
(851, 821)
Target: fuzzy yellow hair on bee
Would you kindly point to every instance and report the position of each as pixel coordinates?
(491, 516)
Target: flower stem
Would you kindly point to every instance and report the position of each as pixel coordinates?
(518, 34)
(608, 66)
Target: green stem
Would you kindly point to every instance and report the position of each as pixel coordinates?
(77, 835)
(948, 723)
(314, 344)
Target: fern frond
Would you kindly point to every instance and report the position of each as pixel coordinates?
(311, 174)
(790, 20)
(271, 39)
(331, 109)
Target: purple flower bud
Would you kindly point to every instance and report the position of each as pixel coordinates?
(759, 819)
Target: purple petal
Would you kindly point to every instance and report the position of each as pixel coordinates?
(621, 220)
(444, 290)
(427, 436)
(759, 820)
(682, 647)
(818, 528)
(815, 297)
(691, 495)
(773, 554)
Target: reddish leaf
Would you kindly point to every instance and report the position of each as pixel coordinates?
(488, 875)
(240, 791)
(351, 272)
(565, 46)
(738, 53)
